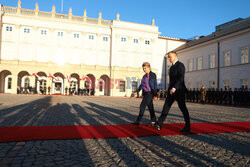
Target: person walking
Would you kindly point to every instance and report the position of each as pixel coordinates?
(149, 92)
(176, 91)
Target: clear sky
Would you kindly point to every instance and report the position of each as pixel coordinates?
(175, 18)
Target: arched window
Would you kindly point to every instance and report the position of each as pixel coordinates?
(26, 82)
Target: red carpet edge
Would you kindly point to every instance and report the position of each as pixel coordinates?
(27, 133)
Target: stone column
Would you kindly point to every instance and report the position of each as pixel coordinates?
(53, 12)
(85, 16)
(14, 83)
(70, 13)
(37, 9)
(100, 18)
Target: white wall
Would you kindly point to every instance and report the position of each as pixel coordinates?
(233, 73)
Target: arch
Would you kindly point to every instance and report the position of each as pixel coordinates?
(3, 75)
(92, 85)
(41, 73)
(58, 83)
(20, 79)
(58, 74)
(76, 76)
(41, 83)
(106, 80)
(74, 83)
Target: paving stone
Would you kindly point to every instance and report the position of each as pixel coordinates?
(222, 149)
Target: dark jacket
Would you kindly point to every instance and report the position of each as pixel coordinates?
(152, 84)
(176, 77)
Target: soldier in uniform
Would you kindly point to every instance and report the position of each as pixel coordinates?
(209, 95)
(221, 96)
(188, 95)
(66, 90)
(248, 98)
(18, 89)
(226, 97)
(217, 96)
(193, 95)
(197, 95)
(230, 95)
(49, 90)
(244, 95)
(203, 93)
(158, 94)
(45, 90)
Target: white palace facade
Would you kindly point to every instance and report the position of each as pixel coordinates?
(57, 51)
(221, 59)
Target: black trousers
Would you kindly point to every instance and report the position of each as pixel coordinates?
(147, 101)
(180, 98)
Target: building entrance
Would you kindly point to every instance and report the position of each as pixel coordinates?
(58, 88)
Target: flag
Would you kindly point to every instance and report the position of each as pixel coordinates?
(34, 74)
(51, 76)
(83, 78)
(69, 78)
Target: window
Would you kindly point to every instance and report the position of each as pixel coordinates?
(136, 40)
(9, 83)
(122, 86)
(199, 63)
(91, 37)
(147, 42)
(134, 85)
(227, 58)
(26, 82)
(212, 61)
(43, 32)
(190, 65)
(244, 55)
(244, 83)
(26, 30)
(123, 39)
(226, 83)
(60, 33)
(105, 39)
(76, 35)
(8, 28)
(211, 84)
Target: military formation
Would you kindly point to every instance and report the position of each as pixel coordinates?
(237, 97)
(227, 96)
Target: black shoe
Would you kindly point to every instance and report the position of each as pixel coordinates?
(135, 123)
(185, 129)
(158, 126)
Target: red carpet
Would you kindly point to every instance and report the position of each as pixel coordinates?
(27, 133)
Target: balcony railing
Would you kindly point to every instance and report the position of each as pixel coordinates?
(29, 12)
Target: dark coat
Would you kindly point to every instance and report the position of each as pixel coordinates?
(152, 84)
(176, 77)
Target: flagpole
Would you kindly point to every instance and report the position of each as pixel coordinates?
(62, 8)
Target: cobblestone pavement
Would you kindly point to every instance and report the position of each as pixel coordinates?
(224, 149)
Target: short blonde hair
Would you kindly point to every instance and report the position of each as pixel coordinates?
(146, 64)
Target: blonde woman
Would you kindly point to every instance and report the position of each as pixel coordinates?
(149, 92)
